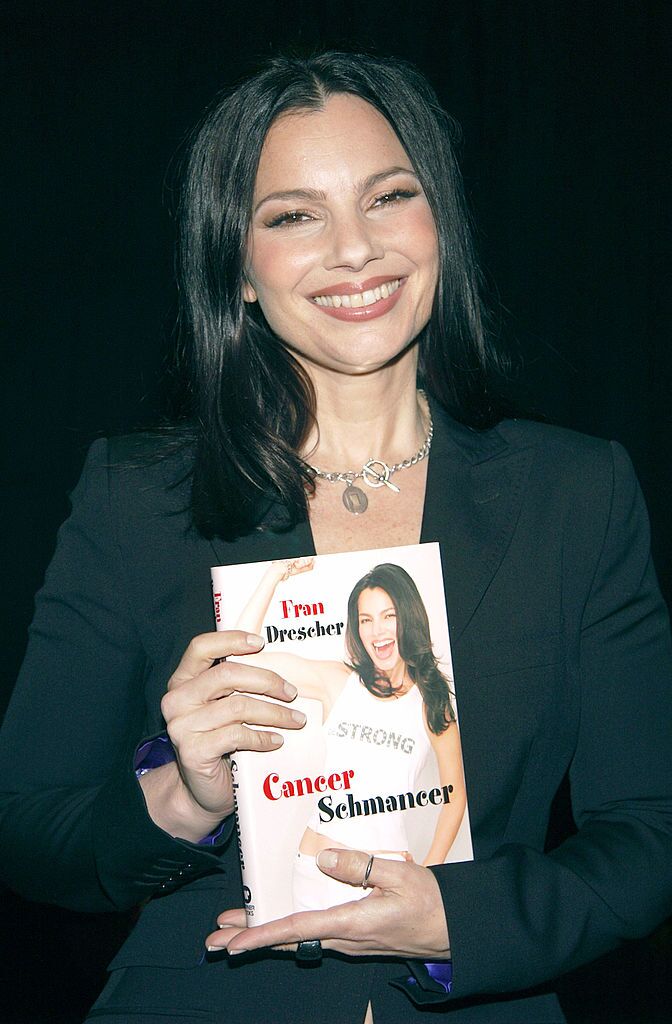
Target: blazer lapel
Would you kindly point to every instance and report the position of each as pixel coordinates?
(475, 486)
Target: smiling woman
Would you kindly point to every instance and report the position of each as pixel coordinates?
(343, 181)
(362, 246)
(332, 313)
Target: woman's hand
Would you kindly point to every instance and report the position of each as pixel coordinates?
(402, 916)
(209, 708)
(286, 567)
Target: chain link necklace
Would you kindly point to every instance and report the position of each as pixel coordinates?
(375, 473)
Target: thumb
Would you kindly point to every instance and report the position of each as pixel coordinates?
(358, 868)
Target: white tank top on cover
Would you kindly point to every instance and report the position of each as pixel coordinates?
(385, 742)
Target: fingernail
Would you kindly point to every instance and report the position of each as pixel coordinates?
(235, 952)
(214, 949)
(298, 716)
(276, 739)
(255, 641)
(289, 690)
(327, 859)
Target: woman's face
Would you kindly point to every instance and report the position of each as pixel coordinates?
(342, 254)
(377, 619)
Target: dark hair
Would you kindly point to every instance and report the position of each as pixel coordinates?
(413, 639)
(252, 404)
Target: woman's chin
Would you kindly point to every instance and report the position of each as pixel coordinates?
(388, 668)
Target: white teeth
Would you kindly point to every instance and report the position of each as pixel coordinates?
(359, 299)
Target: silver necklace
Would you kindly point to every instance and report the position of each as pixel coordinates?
(375, 473)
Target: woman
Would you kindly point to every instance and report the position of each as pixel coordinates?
(391, 680)
(326, 267)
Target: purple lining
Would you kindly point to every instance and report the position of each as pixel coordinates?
(441, 972)
(429, 983)
(152, 754)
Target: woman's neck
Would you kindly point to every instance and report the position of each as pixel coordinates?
(375, 415)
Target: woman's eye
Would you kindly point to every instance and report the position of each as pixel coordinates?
(395, 196)
(288, 218)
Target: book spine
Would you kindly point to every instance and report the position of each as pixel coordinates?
(242, 803)
(242, 812)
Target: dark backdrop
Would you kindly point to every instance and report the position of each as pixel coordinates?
(563, 106)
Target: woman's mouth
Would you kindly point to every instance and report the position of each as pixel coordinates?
(361, 305)
(383, 649)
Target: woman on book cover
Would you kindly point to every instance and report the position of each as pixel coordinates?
(343, 395)
(390, 683)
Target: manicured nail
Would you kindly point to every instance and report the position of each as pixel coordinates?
(298, 716)
(289, 690)
(255, 641)
(215, 949)
(235, 952)
(327, 859)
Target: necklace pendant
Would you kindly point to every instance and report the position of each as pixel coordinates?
(355, 500)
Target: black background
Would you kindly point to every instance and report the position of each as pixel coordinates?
(564, 111)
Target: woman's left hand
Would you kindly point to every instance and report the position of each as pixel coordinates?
(402, 915)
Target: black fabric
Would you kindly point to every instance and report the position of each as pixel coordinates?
(562, 660)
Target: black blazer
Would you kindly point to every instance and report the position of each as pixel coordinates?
(562, 662)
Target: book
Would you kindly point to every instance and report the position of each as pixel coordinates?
(377, 766)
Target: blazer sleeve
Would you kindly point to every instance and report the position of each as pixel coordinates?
(74, 828)
(522, 916)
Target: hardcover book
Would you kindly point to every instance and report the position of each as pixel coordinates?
(363, 636)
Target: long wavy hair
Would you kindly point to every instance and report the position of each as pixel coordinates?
(413, 639)
(252, 405)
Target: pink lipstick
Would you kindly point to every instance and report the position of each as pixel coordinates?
(362, 301)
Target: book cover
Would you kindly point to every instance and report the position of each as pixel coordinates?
(363, 635)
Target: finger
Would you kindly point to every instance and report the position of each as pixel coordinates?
(206, 648)
(231, 922)
(238, 709)
(299, 565)
(236, 918)
(351, 866)
(203, 751)
(287, 931)
(221, 681)
(234, 676)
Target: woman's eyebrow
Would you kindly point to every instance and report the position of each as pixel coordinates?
(316, 195)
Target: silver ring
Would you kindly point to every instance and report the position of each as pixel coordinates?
(365, 881)
(309, 952)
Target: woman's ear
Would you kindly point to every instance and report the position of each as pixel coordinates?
(249, 294)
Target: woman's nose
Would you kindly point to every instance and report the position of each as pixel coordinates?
(353, 243)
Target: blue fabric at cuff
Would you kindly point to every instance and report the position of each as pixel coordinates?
(428, 983)
(152, 754)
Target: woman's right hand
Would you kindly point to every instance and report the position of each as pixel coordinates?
(283, 568)
(209, 708)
